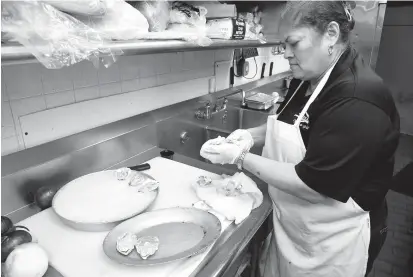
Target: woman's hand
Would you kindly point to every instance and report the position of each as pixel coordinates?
(242, 135)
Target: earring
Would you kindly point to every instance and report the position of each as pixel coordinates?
(330, 50)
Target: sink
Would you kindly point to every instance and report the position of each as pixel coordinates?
(184, 134)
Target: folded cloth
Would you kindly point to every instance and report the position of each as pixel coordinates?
(233, 197)
(223, 150)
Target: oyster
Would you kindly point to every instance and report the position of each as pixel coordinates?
(204, 181)
(142, 182)
(231, 188)
(126, 243)
(122, 173)
(150, 185)
(147, 246)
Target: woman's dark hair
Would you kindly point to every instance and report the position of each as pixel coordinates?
(318, 14)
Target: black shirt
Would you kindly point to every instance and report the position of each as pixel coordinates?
(351, 133)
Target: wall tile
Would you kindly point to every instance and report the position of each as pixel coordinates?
(4, 96)
(171, 78)
(204, 59)
(84, 94)
(56, 80)
(129, 67)
(176, 61)
(146, 66)
(27, 106)
(8, 131)
(85, 75)
(22, 107)
(23, 80)
(148, 82)
(110, 89)
(60, 99)
(223, 55)
(130, 85)
(188, 61)
(6, 115)
(109, 75)
(162, 63)
(9, 145)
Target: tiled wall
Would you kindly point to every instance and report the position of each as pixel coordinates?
(31, 88)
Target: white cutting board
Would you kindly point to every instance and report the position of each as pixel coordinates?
(80, 254)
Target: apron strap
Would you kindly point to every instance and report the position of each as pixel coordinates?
(292, 96)
(316, 92)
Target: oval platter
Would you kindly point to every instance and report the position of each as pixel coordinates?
(99, 201)
(182, 232)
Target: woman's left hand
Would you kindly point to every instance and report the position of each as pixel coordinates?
(224, 153)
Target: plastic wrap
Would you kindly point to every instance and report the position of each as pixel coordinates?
(120, 22)
(253, 26)
(85, 7)
(156, 12)
(187, 14)
(54, 38)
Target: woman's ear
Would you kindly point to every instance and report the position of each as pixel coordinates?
(333, 32)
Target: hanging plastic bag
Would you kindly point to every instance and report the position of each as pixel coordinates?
(82, 7)
(188, 14)
(156, 12)
(54, 38)
(120, 22)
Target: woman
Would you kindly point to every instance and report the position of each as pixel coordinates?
(329, 152)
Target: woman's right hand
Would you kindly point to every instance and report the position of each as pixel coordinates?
(242, 135)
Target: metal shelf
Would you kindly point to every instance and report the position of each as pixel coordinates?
(11, 53)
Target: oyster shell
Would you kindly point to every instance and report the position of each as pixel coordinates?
(231, 188)
(204, 181)
(150, 185)
(142, 182)
(147, 246)
(126, 243)
(122, 173)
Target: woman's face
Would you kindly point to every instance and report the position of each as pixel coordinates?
(307, 52)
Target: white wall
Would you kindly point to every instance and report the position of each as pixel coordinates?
(31, 89)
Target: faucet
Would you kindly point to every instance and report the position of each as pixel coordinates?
(206, 113)
(242, 92)
(223, 106)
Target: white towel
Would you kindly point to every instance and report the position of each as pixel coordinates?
(244, 196)
(226, 147)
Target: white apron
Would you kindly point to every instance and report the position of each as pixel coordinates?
(326, 239)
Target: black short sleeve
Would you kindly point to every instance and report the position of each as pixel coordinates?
(344, 141)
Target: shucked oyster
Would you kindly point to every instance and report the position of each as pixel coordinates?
(126, 243)
(122, 173)
(142, 182)
(230, 188)
(147, 246)
(204, 181)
